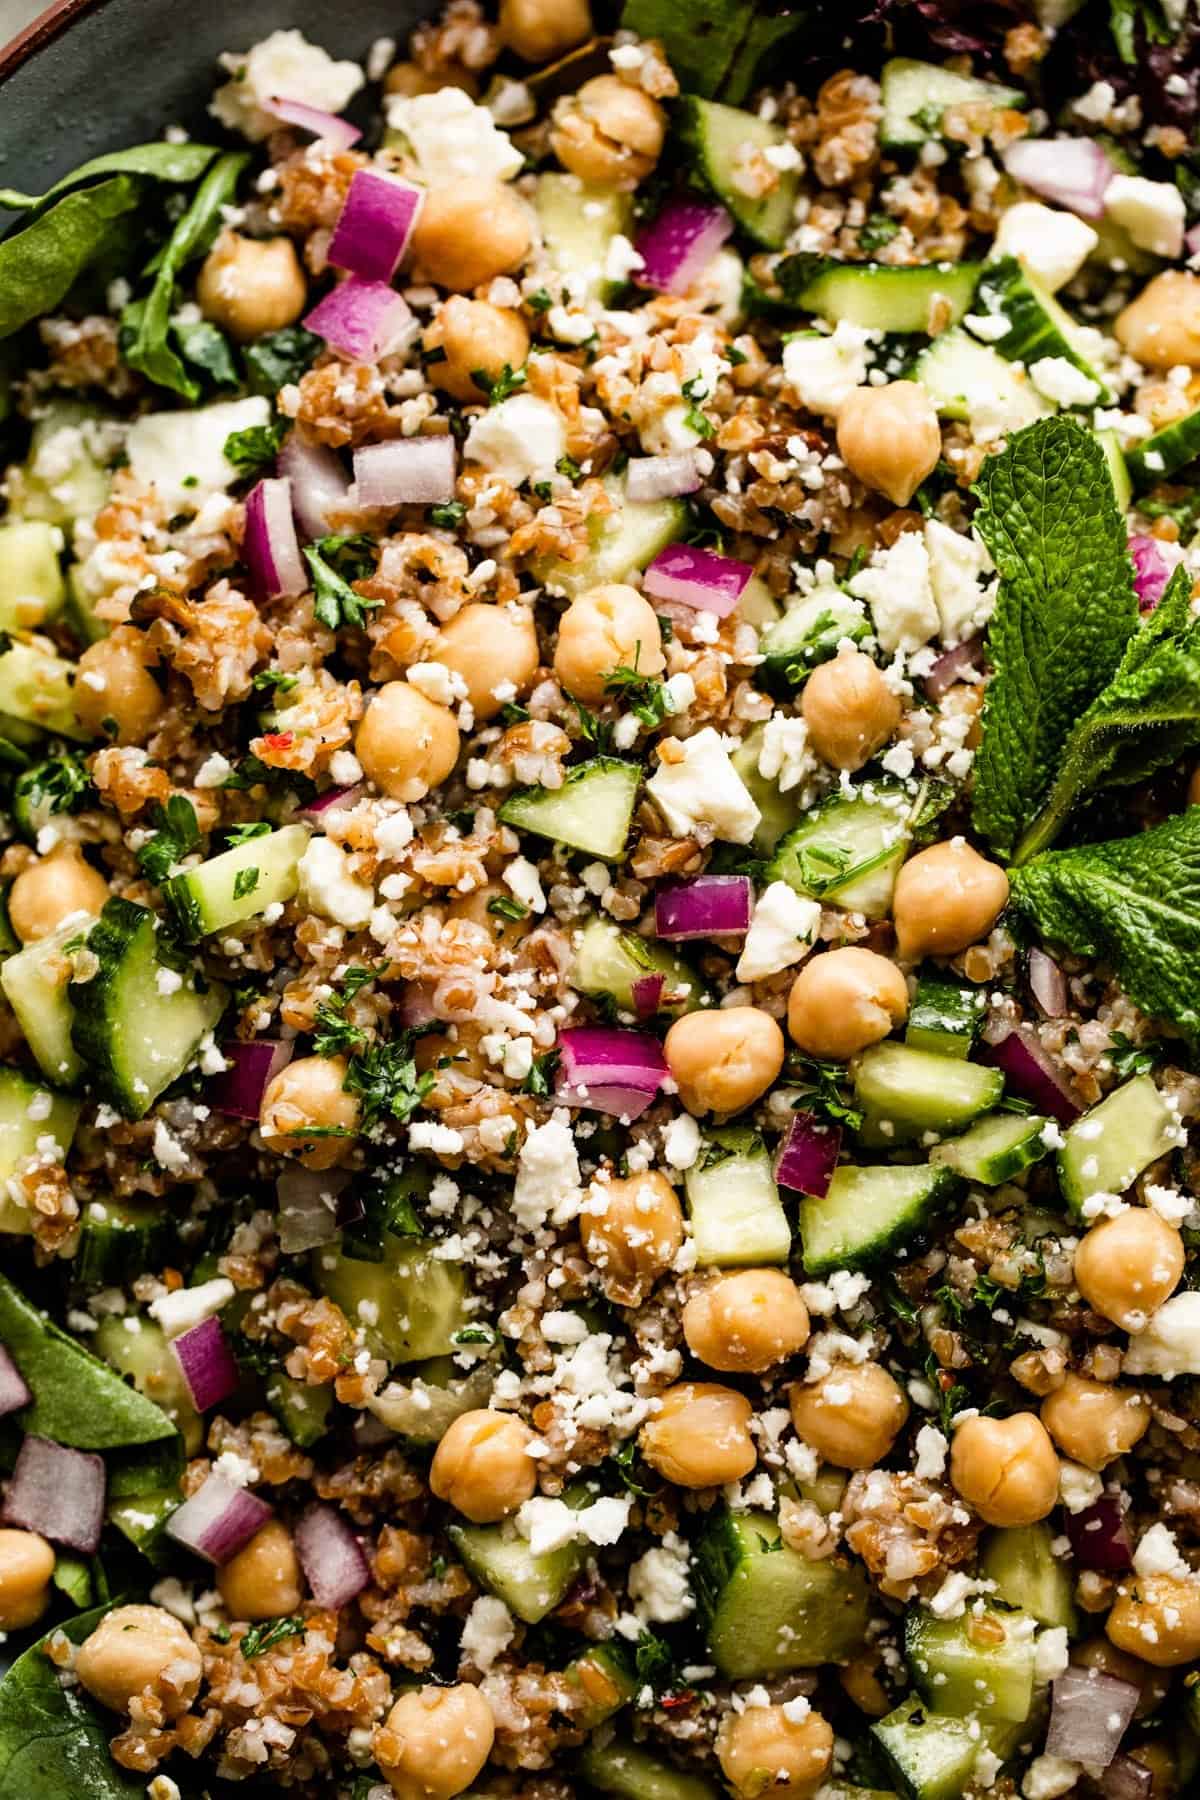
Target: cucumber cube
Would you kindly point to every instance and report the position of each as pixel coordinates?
(238, 884)
(980, 1665)
(932, 1756)
(605, 1680)
(32, 589)
(35, 691)
(1108, 1148)
(608, 961)
(590, 811)
(765, 1608)
(22, 1123)
(1020, 1560)
(868, 1214)
(737, 1217)
(996, 1149)
(35, 986)
(632, 1773)
(944, 1017)
(500, 1560)
(578, 225)
(415, 1300)
(909, 1095)
(620, 541)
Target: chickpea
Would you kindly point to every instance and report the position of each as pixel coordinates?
(700, 1435)
(115, 695)
(263, 1580)
(607, 628)
(482, 1466)
(26, 1565)
(309, 1094)
(746, 1321)
(1005, 1468)
(469, 232)
(475, 336)
(1162, 326)
(1157, 1618)
(849, 709)
(251, 285)
(1104, 1657)
(138, 1647)
(435, 1741)
(1126, 1267)
(852, 1416)
(406, 743)
(50, 890)
(609, 132)
(946, 898)
(490, 646)
(845, 999)
(890, 437)
(1093, 1422)
(761, 1750)
(632, 1229)
(541, 30)
(723, 1058)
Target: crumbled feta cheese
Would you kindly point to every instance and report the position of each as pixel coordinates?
(1060, 381)
(824, 368)
(658, 1583)
(329, 887)
(178, 1311)
(487, 1631)
(1158, 1554)
(781, 933)
(452, 138)
(394, 833)
(443, 685)
(518, 439)
(1152, 212)
(169, 1153)
(1052, 245)
(283, 65)
(898, 588)
(931, 1452)
(1050, 1776)
(550, 1524)
(547, 1186)
(1170, 1344)
(441, 1140)
(704, 789)
(1078, 1488)
(681, 1142)
(957, 563)
(785, 756)
(522, 881)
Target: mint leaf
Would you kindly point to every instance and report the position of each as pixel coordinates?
(1147, 716)
(1064, 613)
(1135, 904)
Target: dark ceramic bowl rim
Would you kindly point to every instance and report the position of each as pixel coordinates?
(40, 32)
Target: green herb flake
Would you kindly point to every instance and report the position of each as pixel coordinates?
(244, 883)
(258, 1639)
(335, 562)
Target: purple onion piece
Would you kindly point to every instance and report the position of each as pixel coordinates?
(238, 1090)
(218, 1519)
(14, 1389)
(1089, 1716)
(698, 578)
(1100, 1537)
(375, 224)
(647, 995)
(328, 127)
(707, 906)
(606, 1069)
(1125, 1779)
(954, 666)
(59, 1492)
(681, 242)
(331, 1557)
(1031, 1074)
(808, 1155)
(270, 547)
(1048, 984)
(320, 485)
(208, 1364)
(362, 320)
(1151, 571)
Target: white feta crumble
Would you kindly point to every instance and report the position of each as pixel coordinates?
(487, 1631)
(1052, 245)
(550, 1524)
(443, 685)
(518, 439)
(284, 65)
(785, 757)
(1158, 1554)
(329, 887)
(452, 138)
(704, 789)
(1052, 1653)
(1047, 1777)
(179, 1311)
(898, 588)
(169, 1153)
(547, 1186)
(958, 563)
(681, 1142)
(1060, 381)
(782, 931)
(441, 1140)
(1152, 212)
(932, 1448)
(1078, 1488)
(658, 1582)
(522, 881)
(824, 368)
(1169, 1345)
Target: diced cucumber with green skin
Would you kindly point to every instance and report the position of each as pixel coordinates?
(944, 1017)
(141, 1520)
(715, 139)
(737, 1217)
(578, 225)
(1020, 1560)
(868, 1214)
(620, 541)
(64, 477)
(501, 1561)
(35, 986)
(605, 1681)
(423, 1408)
(932, 1756)
(778, 812)
(765, 1608)
(120, 1240)
(609, 961)
(591, 810)
(996, 1149)
(28, 1114)
(301, 1409)
(134, 1028)
(848, 849)
(914, 95)
(632, 1773)
(907, 1094)
(970, 381)
(36, 692)
(410, 1305)
(1118, 467)
(138, 1349)
(809, 633)
(757, 606)
(925, 297)
(1038, 326)
(1108, 1148)
(79, 611)
(1164, 452)
(979, 1665)
(238, 884)
(32, 589)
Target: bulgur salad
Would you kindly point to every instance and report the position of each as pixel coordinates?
(600, 924)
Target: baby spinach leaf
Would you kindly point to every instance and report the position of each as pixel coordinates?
(208, 350)
(53, 1739)
(73, 1577)
(161, 162)
(1135, 903)
(77, 1399)
(1064, 612)
(41, 263)
(714, 46)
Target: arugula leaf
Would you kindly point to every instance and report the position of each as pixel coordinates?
(1147, 716)
(53, 1739)
(335, 562)
(1064, 613)
(257, 447)
(714, 46)
(1136, 904)
(162, 162)
(41, 263)
(178, 832)
(280, 358)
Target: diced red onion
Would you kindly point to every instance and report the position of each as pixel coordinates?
(1125, 1779)
(705, 907)
(218, 1519)
(647, 995)
(1047, 984)
(331, 1557)
(327, 126)
(416, 1005)
(1031, 1074)
(308, 1207)
(1192, 240)
(1072, 171)
(330, 801)
(14, 1389)
(320, 485)
(1089, 1716)
(58, 1492)
(239, 1089)
(681, 242)
(608, 1070)
(697, 578)
(1100, 1537)
(417, 471)
(374, 225)
(953, 666)
(808, 1155)
(360, 319)
(207, 1362)
(270, 547)
(1151, 571)
(663, 477)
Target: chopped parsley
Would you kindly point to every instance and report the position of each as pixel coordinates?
(274, 681)
(499, 387)
(177, 834)
(242, 834)
(540, 1079)
(271, 1632)
(334, 1034)
(448, 514)
(244, 883)
(386, 1079)
(502, 907)
(335, 562)
(693, 392)
(256, 448)
(647, 696)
